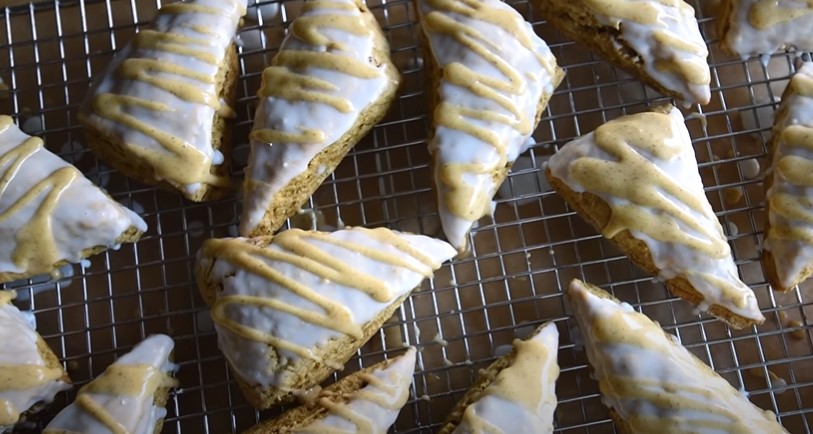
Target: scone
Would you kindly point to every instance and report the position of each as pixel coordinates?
(635, 179)
(30, 373)
(656, 41)
(330, 83)
(51, 214)
(158, 113)
(291, 309)
(366, 402)
(516, 394)
(753, 27)
(129, 397)
(650, 382)
(490, 79)
(788, 254)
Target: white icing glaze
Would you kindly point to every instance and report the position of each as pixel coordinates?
(250, 358)
(533, 65)
(188, 123)
(19, 347)
(82, 217)
(273, 165)
(715, 277)
(137, 414)
(652, 382)
(748, 40)
(522, 413)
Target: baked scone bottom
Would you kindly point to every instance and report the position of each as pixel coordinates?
(754, 27)
(789, 233)
(49, 212)
(277, 302)
(26, 377)
(331, 79)
(649, 381)
(488, 98)
(644, 168)
(129, 396)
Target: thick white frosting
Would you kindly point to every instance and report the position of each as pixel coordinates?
(522, 413)
(654, 383)
(19, 347)
(272, 166)
(711, 276)
(136, 414)
(532, 63)
(250, 358)
(747, 40)
(83, 216)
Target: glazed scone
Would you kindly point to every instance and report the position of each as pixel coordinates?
(486, 99)
(366, 402)
(516, 393)
(635, 180)
(52, 214)
(753, 27)
(30, 373)
(291, 309)
(788, 254)
(650, 382)
(159, 112)
(330, 83)
(129, 397)
(656, 41)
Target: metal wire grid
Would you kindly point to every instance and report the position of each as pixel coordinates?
(473, 308)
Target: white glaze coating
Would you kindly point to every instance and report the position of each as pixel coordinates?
(19, 347)
(792, 252)
(652, 382)
(189, 123)
(83, 216)
(523, 414)
(533, 65)
(273, 165)
(376, 418)
(748, 40)
(136, 414)
(250, 358)
(712, 276)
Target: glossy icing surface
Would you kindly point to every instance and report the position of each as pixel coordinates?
(327, 72)
(643, 166)
(49, 212)
(285, 300)
(488, 98)
(159, 96)
(653, 383)
(765, 26)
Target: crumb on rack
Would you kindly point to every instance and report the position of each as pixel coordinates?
(799, 333)
(732, 195)
(439, 340)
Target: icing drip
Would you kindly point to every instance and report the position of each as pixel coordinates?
(652, 383)
(755, 27)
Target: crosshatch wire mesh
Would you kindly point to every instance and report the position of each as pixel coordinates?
(475, 307)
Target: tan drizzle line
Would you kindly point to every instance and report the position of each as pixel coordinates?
(798, 172)
(100, 413)
(654, 199)
(298, 248)
(290, 79)
(768, 13)
(6, 296)
(642, 12)
(22, 377)
(477, 424)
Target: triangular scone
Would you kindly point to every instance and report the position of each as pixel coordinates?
(366, 402)
(50, 214)
(657, 41)
(129, 397)
(158, 113)
(291, 309)
(754, 27)
(650, 382)
(516, 393)
(635, 179)
(788, 255)
(491, 77)
(330, 83)
(30, 373)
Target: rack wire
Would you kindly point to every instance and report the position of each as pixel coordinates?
(472, 310)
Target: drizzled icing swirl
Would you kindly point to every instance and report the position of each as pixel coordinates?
(764, 14)
(760, 27)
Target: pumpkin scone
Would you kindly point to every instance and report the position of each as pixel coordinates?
(757, 27)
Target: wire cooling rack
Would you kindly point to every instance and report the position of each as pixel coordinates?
(475, 307)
